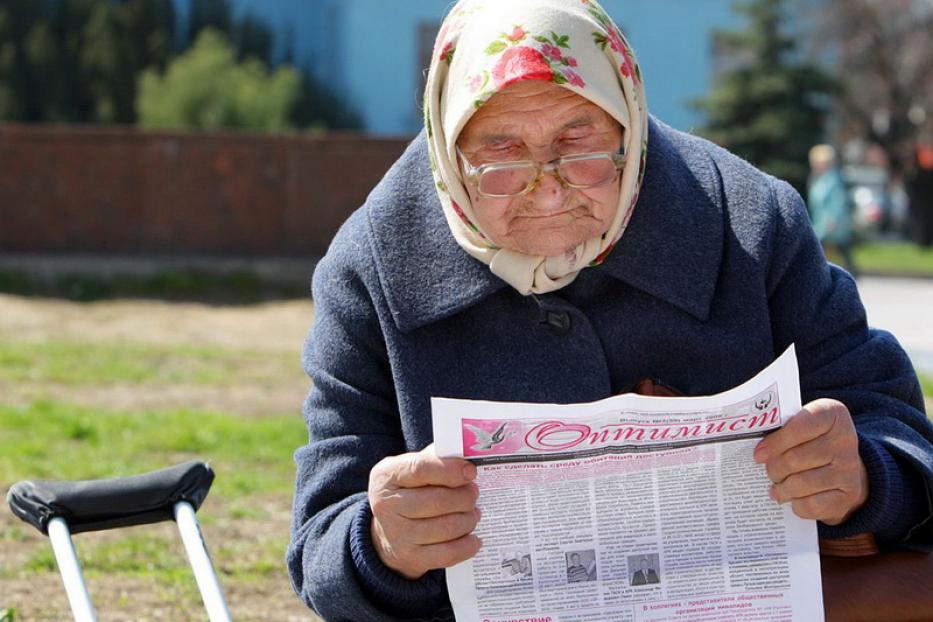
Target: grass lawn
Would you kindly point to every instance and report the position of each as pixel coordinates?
(900, 258)
(244, 518)
(80, 407)
(926, 383)
(51, 440)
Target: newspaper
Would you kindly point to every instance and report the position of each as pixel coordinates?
(632, 508)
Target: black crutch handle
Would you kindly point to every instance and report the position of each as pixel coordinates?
(95, 505)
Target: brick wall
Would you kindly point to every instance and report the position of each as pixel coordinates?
(124, 191)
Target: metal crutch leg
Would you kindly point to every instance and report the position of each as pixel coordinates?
(211, 592)
(61, 508)
(70, 569)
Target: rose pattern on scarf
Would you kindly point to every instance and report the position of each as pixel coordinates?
(574, 78)
(602, 256)
(517, 62)
(447, 52)
(521, 63)
(611, 36)
(459, 211)
(450, 31)
(517, 34)
(553, 51)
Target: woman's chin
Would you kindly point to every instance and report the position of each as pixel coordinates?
(549, 241)
(545, 246)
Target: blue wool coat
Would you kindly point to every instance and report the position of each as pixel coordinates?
(717, 273)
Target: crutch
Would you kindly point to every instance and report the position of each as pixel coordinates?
(60, 508)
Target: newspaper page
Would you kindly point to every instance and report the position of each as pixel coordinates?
(632, 508)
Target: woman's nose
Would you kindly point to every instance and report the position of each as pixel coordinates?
(549, 189)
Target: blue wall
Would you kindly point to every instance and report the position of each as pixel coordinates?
(366, 50)
(673, 42)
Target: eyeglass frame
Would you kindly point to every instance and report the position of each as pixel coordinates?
(473, 174)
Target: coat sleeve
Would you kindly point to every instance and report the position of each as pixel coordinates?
(353, 422)
(816, 306)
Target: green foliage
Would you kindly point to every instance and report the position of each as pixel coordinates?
(319, 107)
(253, 454)
(206, 88)
(77, 60)
(769, 108)
(236, 287)
(204, 14)
(7, 615)
(253, 39)
(83, 61)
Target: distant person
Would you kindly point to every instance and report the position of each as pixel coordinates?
(645, 574)
(921, 196)
(830, 207)
(576, 571)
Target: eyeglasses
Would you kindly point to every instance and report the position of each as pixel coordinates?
(499, 180)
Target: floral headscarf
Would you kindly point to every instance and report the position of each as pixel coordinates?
(484, 46)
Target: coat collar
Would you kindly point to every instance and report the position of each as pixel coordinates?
(672, 248)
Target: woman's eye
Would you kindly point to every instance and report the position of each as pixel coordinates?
(507, 152)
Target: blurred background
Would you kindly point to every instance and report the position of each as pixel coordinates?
(170, 171)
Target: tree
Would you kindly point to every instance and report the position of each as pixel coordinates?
(77, 60)
(253, 38)
(204, 14)
(319, 107)
(883, 54)
(767, 106)
(81, 61)
(205, 88)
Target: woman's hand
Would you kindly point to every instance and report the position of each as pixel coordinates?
(424, 511)
(814, 463)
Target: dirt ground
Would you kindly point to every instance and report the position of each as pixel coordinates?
(277, 327)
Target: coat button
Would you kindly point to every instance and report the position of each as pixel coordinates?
(558, 321)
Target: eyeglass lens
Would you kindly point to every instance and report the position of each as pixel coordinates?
(511, 180)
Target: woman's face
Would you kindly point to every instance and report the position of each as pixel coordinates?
(537, 120)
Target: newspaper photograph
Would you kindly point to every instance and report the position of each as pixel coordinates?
(632, 508)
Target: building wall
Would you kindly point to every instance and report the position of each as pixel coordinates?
(368, 50)
(672, 39)
(92, 190)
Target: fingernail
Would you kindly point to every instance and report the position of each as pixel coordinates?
(469, 471)
(772, 494)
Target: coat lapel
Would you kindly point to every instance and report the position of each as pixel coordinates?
(673, 246)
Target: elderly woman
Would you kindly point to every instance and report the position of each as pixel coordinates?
(545, 240)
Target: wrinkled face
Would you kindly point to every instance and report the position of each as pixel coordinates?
(537, 120)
